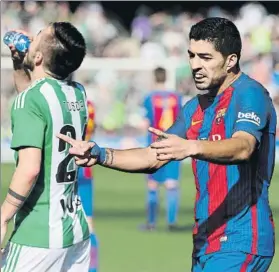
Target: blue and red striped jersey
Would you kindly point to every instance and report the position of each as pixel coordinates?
(161, 110)
(232, 211)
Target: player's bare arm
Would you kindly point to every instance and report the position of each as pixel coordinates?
(236, 149)
(143, 160)
(21, 75)
(21, 185)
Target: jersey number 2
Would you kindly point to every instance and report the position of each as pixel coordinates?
(63, 174)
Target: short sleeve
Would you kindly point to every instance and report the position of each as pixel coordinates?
(179, 127)
(252, 112)
(28, 124)
(147, 108)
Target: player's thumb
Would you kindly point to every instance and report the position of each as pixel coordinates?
(155, 131)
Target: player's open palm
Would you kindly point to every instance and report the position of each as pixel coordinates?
(81, 150)
(171, 147)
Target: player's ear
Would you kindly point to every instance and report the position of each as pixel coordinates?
(38, 58)
(231, 61)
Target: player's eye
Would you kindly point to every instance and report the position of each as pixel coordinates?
(206, 58)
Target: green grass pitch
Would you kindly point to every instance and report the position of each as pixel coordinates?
(119, 209)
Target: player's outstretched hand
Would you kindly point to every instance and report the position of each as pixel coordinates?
(81, 150)
(171, 147)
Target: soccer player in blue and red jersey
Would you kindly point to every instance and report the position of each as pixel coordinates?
(229, 132)
(85, 187)
(162, 107)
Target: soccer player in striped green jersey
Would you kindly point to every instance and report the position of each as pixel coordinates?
(51, 232)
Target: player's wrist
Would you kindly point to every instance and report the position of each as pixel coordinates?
(102, 157)
(196, 148)
(6, 216)
(98, 153)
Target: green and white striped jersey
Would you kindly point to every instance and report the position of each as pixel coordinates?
(52, 216)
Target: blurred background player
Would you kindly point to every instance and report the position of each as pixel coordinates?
(85, 189)
(161, 109)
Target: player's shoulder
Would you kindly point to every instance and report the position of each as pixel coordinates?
(31, 96)
(248, 86)
(190, 102)
(77, 85)
(147, 98)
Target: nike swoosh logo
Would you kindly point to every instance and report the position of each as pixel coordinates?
(196, 122)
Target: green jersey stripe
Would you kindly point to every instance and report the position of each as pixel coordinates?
(83, 223)
(35, 210)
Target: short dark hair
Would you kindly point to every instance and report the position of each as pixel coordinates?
(222, 32)
(64, 50)
(160, 75)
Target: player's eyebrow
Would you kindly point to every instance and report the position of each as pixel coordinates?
(200, 54)
(39, 32)
(204, 55)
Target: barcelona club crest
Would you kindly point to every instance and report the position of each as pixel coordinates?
(220, 115)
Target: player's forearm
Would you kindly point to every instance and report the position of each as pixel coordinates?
(138, 160)
(20, 187)
(225, 151)
(22, 78)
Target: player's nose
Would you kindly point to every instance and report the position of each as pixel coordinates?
(195, 64)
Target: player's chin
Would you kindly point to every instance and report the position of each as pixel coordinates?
(201, 86)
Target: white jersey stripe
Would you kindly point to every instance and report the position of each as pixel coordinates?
(23, 98)
(18, 101)
(69, 92)
(56, 190)
(15, 103)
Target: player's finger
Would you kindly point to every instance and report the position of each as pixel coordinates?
(12, 47)
(66, 139)
(158, 132)
(76, 151)
(85, 146)
(161, 144)
(167, 151)
(81, 161)
(91, 144)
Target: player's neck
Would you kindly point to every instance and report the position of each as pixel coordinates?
(232, 77)
(38, 74)
(160, 86)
